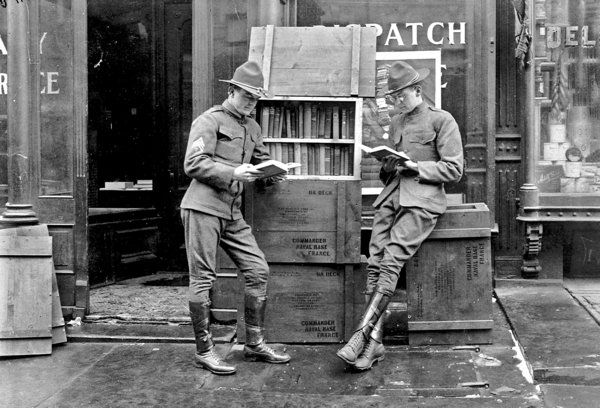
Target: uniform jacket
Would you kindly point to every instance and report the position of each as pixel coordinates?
(220, 140)
(430, 137)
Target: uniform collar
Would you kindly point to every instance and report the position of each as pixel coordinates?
(418, 109)
(233, 112)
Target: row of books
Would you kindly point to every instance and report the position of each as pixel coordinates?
(307, 120)
(315, 159)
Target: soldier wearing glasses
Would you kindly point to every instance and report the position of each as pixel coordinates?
(409, 205)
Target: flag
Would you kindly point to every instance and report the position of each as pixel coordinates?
(523, 39)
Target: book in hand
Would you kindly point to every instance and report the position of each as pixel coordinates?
(382, 151)
(272, 168)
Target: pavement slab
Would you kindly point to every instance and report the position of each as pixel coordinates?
(571, 396)
(558, 336)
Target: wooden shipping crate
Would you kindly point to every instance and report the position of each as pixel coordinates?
(307, 221)
(315, 61)
(307, 303)
(449, 280)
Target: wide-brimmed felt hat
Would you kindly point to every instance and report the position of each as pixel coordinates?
(402, 75)
(249, 76)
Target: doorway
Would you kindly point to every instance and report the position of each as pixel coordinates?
(140, 108)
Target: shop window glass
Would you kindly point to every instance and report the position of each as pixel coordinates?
(230, 42)
(567, 74)
(121, 122)
(439, 34)
(56, 104)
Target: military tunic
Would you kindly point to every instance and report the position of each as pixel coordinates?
(220, 140)
(410, 203)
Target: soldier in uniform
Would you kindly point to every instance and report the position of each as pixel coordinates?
(223, 145)
(407, 209)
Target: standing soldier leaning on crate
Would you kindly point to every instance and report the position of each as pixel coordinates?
(407, 209)
(223, 145)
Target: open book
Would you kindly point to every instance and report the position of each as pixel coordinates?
(380, 152)
(272, 168)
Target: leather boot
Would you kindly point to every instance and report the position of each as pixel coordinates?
(256, 347)
(376, 306)
(374, 350)
(206, 357)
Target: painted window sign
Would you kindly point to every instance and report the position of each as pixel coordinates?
(48, 80)
(570, 36)
(436, 33)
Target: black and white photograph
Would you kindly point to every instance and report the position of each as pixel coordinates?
(300, 203)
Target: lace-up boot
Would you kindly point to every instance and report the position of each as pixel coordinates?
(374, 350)
(206, 357)
(377, 304)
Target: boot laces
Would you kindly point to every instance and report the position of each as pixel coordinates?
(355, 340)
(268, 349)
(214, 356)
(369, 348)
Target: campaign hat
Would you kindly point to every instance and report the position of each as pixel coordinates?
(402, 75)
(249, 76)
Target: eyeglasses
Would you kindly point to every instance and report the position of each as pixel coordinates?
(400, 95)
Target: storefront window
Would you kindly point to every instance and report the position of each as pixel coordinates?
(567, 96)
(230, 42)
(122, 88)
(442, 35)
(56, 110)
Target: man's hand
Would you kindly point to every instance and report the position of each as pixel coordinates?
(411, 165)
(278, 178)
(246, 173)
(390, 163)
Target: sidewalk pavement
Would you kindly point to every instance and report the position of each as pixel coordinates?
(134, 370)
(557, 324)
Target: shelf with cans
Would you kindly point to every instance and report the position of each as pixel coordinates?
(568, 114)
(323, 134)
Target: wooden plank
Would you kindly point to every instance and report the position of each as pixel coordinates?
(368, 45)
(318, 57)
(349, 299)
(355, 61)
(23, 333)
(25, 347)
(456, 233)
(59, 334)
(451, 325)
(341, 219)
(26, 300)
(315, 81)
(25, 246)
(267, 56)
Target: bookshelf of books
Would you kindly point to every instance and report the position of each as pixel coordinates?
(323, 134)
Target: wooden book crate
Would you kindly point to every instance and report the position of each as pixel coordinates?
(449, 280)
(307, 221)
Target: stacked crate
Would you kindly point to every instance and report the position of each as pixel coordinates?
(309, 225)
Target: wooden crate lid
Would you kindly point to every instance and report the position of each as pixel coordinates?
(316, 61)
